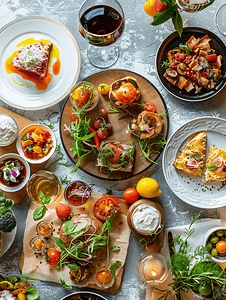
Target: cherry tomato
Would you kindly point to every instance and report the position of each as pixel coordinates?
(150, 107)
(109, 126)
(180, 57)
(53, 257)
(105, 207)
(221, 246)
(218, 163)
(130, 195)
(97, 123)
(211, 57)
(114, 158)
(103, 113)
(102, 134)
(174, 65)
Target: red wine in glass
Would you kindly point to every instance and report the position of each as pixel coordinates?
(104, 21)
(101, 22)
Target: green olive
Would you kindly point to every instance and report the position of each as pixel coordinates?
(224, 232)
(205, 289)
(214, 239)
(209, 246)
(222, 254)
(214, 252)
(220, 233)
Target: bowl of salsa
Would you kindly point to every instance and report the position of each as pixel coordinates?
(77, 193)
(14, 172)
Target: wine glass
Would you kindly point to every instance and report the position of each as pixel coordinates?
(101, 23)
(221, 19)
(193, 6)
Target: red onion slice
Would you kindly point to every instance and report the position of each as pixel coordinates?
(192, 163)
(202, 152)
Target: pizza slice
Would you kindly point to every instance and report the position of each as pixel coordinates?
(216, 165)
(192, 158)
(33, 58)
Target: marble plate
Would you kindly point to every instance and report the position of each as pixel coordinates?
(8, 239)
(191, 189)
(18, 95)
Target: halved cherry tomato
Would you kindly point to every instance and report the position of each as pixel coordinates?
(53, 257)
(23, 285)
(114, 157)
(102, 134)
(105, 207)
(150, 107)
(47, 134)
(174, 64)
(97, 123)
(130, 195)
(83, 96)
(218, 163)
(180, 57)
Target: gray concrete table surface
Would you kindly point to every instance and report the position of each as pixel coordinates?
(138, 46)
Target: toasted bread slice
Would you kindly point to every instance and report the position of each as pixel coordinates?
(33, 58)
(215, 166)
(192, 158)
(121, 161)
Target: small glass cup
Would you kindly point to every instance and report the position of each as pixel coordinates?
(110, 280)
(38, 244)
(152, 268)
(44, 228)
(221, 19)
(48, 183)
(74, 95)
(192, 6)
(73, 191)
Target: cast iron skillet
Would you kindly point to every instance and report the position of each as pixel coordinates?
(83, 296)
(172, 42)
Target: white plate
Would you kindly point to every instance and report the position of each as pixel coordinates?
(8, 239)
(189, 188)
(38, 28)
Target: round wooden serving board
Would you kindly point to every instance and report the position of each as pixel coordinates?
(120, 125)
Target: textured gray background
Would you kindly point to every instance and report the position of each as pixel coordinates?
(138, 46)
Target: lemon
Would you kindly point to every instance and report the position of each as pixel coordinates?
(148, 188)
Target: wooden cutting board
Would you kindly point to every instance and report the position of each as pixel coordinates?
(21, 122)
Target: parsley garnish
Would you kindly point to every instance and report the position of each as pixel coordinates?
(51, 126)
(65, 180)
(187, 49)
(58, 149)
(165, 64)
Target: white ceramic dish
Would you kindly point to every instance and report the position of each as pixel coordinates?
(191, 189)
(38, 27)
(7, 130)
(23, 183)
(8, 239)
(218, 259)
(19, 148)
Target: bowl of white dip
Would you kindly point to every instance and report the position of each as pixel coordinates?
(8, 130)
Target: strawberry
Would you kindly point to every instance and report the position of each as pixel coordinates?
(159, 6)
(62, 211)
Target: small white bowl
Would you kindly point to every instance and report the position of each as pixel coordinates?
(23, 183)
(19, 148)
(7, 130)
(219, 259)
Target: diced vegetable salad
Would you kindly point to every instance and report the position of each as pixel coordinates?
(36, 143)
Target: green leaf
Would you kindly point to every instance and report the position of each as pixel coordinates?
(41, 195)
(177, 21)
(99, 245)
(39, 213)
(115, 248)
(162, 17)
(206, 5)
(114, 267)
(73, 267)
(1, 193)
(59, 243)
(75, 230)
(46, 201)
(32, 294)
(212, 167)
(107, 225)
(196, 155)
(165, 64)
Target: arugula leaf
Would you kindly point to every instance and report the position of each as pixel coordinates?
(39, 213)
(73, 267)
(99, 245)
(32, 294)
(177, 22)
(114, 267)
(164, 16)
(64, 283)
(115, 248)
(212, 167)
(107, 225)
(75, 230)
(60, 243)
(65, 180)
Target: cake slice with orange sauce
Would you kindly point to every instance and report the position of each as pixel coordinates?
(33, 58)
(216, 165)
(192, 158)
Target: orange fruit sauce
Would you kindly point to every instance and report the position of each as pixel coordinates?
(40, 83)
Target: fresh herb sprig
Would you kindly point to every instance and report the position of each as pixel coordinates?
(5, 204)
(51, 126)
(186, 48)
(65, 180)
(40, 212)
(165, 64)
(58, 150)
(121, 111)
